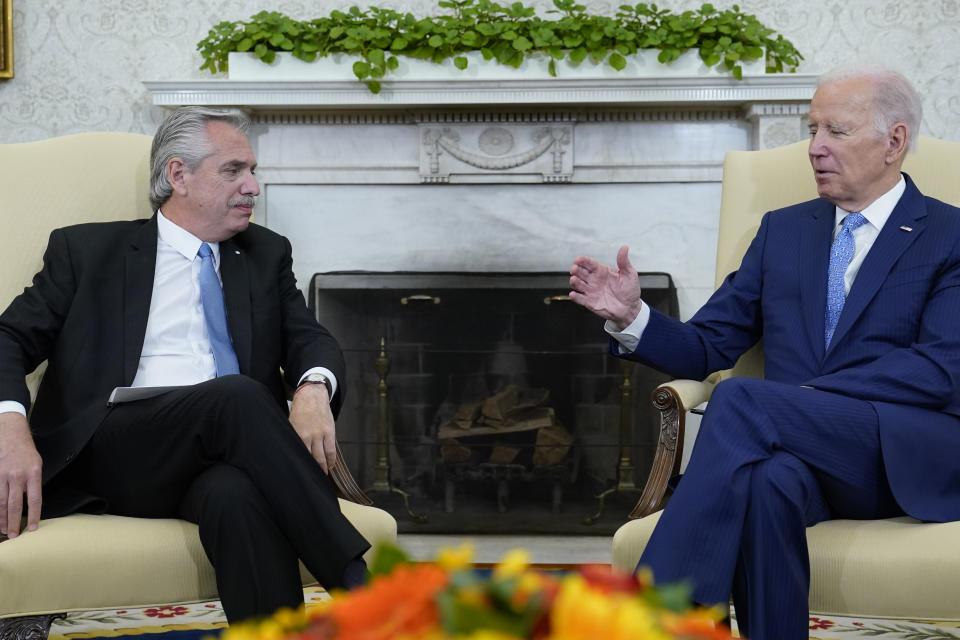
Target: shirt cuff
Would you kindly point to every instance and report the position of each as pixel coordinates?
(12, 406)
(329, 374)
(629, 338)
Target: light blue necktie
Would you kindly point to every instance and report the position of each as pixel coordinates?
(841, 253)
(215, 313)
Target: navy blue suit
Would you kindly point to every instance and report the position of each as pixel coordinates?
(876, 434)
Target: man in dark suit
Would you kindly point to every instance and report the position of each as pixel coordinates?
(199, 299)
(856, 296)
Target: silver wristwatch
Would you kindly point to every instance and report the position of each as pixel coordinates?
(318, 378)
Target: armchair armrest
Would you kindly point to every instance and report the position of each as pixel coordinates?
(673, 399)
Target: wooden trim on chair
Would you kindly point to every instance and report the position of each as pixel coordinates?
(666, 460)
(28, 627)
(346, 486)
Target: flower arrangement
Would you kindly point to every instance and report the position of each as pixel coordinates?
(448, 599)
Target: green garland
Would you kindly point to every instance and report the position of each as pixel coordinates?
(504, 33)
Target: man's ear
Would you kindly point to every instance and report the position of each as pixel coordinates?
(176, 175)
(897, 141)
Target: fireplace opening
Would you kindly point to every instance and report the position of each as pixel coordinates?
(487, 402)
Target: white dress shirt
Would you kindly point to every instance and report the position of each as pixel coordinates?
(864, 236)
(176, 346)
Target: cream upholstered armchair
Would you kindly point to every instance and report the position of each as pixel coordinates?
(897, 567)
(82, 562)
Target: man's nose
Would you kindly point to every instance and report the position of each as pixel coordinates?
(817, 145)
(250, 186)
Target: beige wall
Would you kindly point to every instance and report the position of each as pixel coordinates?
(79, 63)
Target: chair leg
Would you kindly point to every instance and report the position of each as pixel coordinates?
(28, 627)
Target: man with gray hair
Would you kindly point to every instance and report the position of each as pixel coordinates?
(196, 310)
(856, 296)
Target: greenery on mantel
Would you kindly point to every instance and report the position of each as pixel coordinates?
(505, 33)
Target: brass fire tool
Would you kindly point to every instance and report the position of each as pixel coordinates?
(625, 483)
(381, 472)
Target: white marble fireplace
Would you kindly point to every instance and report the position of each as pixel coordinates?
(503, 175)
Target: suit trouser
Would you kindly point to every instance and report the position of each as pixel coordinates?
(770, 460)
(222, 454)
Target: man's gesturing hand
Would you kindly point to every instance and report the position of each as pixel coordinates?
(612, 294)
(20, 472)
(312, 418)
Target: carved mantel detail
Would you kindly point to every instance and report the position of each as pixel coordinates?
(473, 153)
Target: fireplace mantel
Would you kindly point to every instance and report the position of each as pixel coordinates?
(768, 90)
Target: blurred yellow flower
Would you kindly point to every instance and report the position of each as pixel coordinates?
(583, 613)
(512, 564)
(487, 634)
(456, 558)
(473, 595)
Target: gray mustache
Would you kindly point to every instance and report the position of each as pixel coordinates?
(245, 201)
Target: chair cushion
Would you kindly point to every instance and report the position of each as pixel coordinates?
(83, 562)
(894, 568)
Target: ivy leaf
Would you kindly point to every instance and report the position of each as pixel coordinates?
(435, 41)
(578, 55)
(552, 68)
(522, 44)
(245, 44)
(376, 56)
(617, 61)
(361, 69)
(374, 86)
(392, 62)
(460, 62)
(399, 43)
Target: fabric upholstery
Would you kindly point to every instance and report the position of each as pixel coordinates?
(85, 562)
(894, 568)
(888, 568)
(81, 561)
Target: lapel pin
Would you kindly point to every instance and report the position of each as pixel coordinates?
(906, 228)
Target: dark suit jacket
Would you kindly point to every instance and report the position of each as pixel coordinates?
(897, 343)
(86, 312)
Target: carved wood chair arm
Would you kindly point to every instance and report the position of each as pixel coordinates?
(343, 480)
(672, 399)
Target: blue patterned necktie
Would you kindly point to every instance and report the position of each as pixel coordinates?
(215, 313)
(840, 255)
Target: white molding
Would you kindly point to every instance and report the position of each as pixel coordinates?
(687, 91)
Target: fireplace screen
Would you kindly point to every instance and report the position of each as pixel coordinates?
(487, 402)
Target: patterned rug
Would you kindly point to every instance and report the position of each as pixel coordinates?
(195, 621)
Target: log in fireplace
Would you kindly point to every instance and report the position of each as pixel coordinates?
(487, 402)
